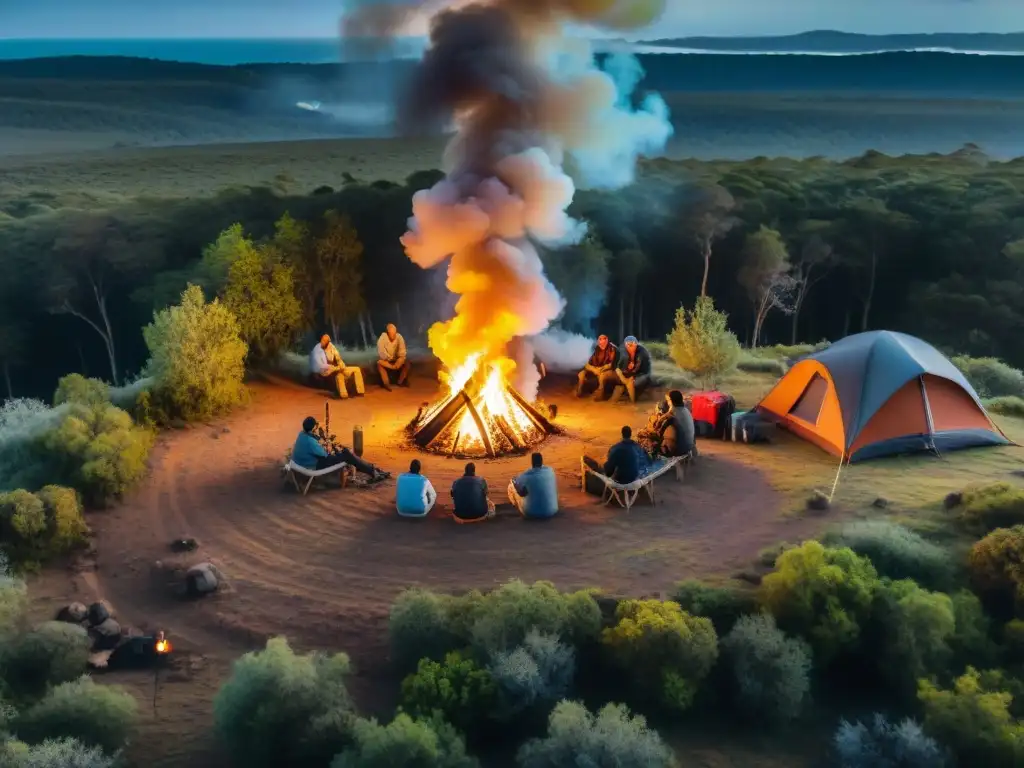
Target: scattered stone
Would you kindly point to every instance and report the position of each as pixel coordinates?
(202, 579)
(106, 635)
(225, 430)
(99, 612)
(184, 545)
(215, 435)
(73, 613)
(818, 502)
(1017, 472)
(954, 499)
(880, 503)
(750, 577)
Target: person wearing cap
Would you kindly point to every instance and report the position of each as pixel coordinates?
(600, 367)
(634, 371)
(327, 368)
(392, 355)
(309, 453)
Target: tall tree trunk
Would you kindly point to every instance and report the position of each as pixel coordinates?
(7, 380)
(81, 359)
(369, 324)
(640, 319)
(871, 291)
(797, 305)
(631, 325)
(362, 330)
(706, 253)
(398, 314)
(622, 319)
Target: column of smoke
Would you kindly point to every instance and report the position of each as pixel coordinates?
(524, 99)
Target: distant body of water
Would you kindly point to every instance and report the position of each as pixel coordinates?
(321, 51)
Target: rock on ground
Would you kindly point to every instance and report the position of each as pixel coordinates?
(106, 635)
(73, 613)
(99, 612)
(202, 579)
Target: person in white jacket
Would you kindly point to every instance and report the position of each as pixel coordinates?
(392, 355)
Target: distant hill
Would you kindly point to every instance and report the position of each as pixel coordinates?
(831, 41)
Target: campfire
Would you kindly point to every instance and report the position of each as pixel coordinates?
(482, 415)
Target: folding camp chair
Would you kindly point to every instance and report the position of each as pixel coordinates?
(625, 494)
(293, 471)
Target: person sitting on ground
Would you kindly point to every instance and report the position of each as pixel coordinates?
(310, 454)
(469, 496)
(600, 367)
(535, 493)
(626, 463)
(634, 371)
(391, 356)
(327, 368)
(677, 431)
(414, 494)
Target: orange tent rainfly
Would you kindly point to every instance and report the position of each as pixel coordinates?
(878, 394)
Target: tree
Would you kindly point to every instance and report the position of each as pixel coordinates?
(765, 276)
(816, 258)
(580, 273)
(339, 261)
(293, 245)
(702, 343)
(708, 217)
(630, 264)
(13, 343)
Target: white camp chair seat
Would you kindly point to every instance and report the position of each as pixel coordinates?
(293, 471)
(626, 494)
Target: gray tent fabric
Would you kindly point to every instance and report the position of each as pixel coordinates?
(869, 368)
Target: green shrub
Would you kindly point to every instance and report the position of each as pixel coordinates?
(971, 643)
(457, 690)
(917, 626)
(52, 653)
(278, 708)
(702, 343)
(824, 595)
(75, 388)
(13, 599)
(53, 753)
(985, 508)
(1010, 405)
(533, 676)
(974, 722)
(749, 363)
(787, 352)
(99, 451)
(996, 568)
(41, 525)
(420, 627)
(663, 649)
(770, 672)
(658, 350)
(66, 528)
(880, 744)
(723, 605)
(991, 377)
(405, 743)
(22, 424)
(610, 738)
(897, 552)
(197, 358)
(101, 716)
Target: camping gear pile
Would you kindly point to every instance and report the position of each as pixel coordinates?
(712, 413)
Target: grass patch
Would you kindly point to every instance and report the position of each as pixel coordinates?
(1009, 405)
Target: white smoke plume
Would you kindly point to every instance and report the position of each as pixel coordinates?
(561, 351)
(524, 98)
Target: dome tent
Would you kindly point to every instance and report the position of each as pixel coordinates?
(880, 393)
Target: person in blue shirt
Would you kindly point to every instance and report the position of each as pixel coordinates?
(470, 497)
(327, 368)
(627, 461)
(535, 492)
(414, 494)
(309, 453)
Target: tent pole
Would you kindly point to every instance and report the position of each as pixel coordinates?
(835, 483)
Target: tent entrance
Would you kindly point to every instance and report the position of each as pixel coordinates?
(807, 407)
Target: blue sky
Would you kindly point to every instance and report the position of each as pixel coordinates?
(319, 18)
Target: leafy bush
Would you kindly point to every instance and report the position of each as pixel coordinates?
(824, 595)
(611, 737)
(880, 744)
(38, 526)
(457, 690)
(75, 388)
(996, 568)
(1011, 405)
(916, 626)
(985, 508)
(897, 552)
(971, 642)
(53, 753)
(22, 423)
(13, 599)
(973, 721)
(770, 672)
(658, 350)
(405, 743)
(702, 343)
(52, 653)
(533, 676)
(790, 352)
(99, 451)
(101, 716)
(278, 708)
(991, 377)
(749, 363)
(663, 649)
(420, 627)
(723, 605)
(197, 358)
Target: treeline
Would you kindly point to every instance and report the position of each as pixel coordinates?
(803, 250)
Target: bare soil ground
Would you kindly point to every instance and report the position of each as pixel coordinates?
(323, 569)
